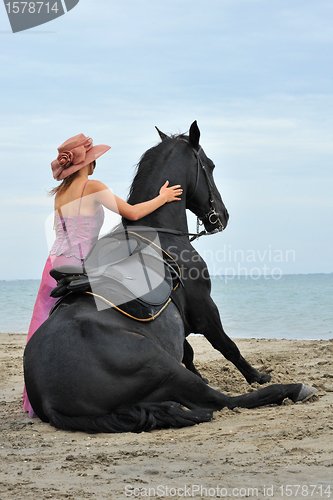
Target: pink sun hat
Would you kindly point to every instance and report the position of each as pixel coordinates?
(74, 154)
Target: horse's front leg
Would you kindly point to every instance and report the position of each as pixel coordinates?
(209, 324)
(188, 360)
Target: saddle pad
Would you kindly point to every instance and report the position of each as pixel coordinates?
(125, 270)
(110, 251)
(122, 267)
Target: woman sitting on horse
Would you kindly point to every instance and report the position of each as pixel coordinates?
(79, 216)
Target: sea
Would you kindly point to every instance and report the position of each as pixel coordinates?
(297, 306)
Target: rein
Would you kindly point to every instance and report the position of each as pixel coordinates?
(178, 233)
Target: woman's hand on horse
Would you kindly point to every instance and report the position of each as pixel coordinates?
(171, 193)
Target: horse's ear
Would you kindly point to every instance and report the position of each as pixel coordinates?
(161, 134)
(194, 135)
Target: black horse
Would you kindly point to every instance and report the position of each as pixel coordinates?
(101, 371)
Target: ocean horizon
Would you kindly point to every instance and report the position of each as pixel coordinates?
(291, 306)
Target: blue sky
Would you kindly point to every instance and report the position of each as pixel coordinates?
(255, 74)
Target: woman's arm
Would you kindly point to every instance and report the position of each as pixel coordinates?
(140, 210)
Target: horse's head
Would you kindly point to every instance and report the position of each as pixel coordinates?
(202, 195)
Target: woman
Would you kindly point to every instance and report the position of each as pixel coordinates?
(79, 217)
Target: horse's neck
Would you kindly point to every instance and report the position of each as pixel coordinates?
(171, 215)
(167, 216)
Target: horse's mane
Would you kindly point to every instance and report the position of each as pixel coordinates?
(145, 166)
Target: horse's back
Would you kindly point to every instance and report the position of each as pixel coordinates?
(86, 362)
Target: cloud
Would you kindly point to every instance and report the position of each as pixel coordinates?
(255, 74)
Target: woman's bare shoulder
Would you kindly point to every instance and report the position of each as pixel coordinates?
(94, 186)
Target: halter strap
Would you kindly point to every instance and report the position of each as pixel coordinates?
(82, 195)
(212, 212)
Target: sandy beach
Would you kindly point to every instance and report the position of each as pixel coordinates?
(270, 452)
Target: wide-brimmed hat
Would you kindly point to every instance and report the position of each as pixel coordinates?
(76, 153)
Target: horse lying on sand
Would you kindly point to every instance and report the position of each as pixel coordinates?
(101, 370)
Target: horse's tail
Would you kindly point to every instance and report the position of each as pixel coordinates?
(141, 417)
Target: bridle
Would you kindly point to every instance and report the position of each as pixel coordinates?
(212, 216)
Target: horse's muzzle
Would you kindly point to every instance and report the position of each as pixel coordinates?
(212, 221)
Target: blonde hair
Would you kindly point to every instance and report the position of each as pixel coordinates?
(63, 186)
(66, 183)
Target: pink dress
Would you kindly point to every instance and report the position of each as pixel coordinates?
(76, 235)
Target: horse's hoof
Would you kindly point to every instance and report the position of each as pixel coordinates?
(306, 393)
(264, 379)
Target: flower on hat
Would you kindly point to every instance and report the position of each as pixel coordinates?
(65, 159)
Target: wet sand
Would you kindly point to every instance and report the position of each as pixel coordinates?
(271, 452)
